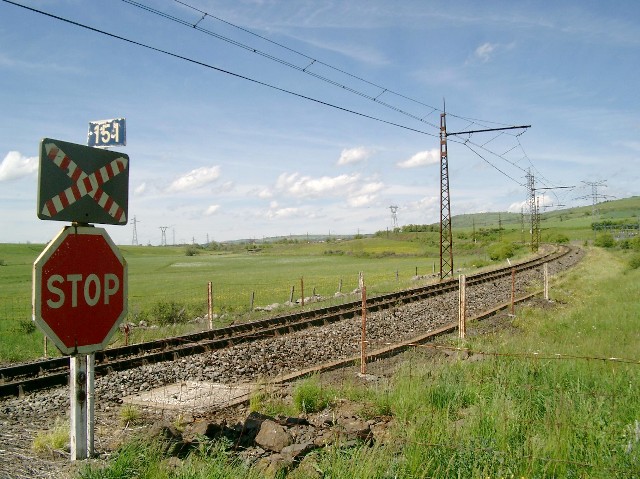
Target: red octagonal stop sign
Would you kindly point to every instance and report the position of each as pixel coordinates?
(80, 289)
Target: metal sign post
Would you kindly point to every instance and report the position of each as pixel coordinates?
(78, 396)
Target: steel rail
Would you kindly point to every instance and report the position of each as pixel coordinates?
(21, 378)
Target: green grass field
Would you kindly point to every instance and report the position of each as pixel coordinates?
(168, 285)
(554, 395)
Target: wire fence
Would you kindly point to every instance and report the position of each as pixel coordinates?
(232, 297)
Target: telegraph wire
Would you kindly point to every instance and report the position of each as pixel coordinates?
(283, 90)
(466, 143)
(311, 61)
(284, 62)
(304, 69)
(221, 70)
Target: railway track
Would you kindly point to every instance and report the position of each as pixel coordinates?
(18, 379)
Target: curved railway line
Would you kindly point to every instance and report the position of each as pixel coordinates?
(16, 380)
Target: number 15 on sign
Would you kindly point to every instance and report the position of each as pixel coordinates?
(107, 133)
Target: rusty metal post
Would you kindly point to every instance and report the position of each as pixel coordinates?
(462, 306)
(46, 353)
(545, 269)
(363, 341)
(513, 291)
(210, 304)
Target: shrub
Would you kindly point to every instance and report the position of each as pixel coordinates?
(500, 251)
(26, 326)
(191, 250)
(168, 312)
(634, 262)
(558, 238)
(605, 241)
(130, 415)
(309, 396)
(55, 439)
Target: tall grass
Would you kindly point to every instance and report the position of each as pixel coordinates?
(511, 413)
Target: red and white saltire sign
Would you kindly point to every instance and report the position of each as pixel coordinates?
(85, 185)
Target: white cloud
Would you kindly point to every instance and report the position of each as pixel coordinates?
(422, 158)
(484, 51)
(282, 213)
(305, 186)
(194, 179)
(140, 189)
(354, 155)
(518, 206)
(364, 196)
(360, 200)
(265, 194)
(211, 210)
(16, 166)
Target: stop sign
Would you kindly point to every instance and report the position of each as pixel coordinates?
(80, 289)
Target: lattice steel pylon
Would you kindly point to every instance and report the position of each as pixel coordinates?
(394, 216)
(134, 240)
(163, 240)
(446, 238)
(533, 212)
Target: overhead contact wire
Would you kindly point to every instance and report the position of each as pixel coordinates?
(221, 70)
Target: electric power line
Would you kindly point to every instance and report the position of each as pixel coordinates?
(221, 70)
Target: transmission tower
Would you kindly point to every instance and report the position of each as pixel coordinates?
(595, 196)
(163, 240)
(394, 216)
(446, 238)
(134, 240)
(533, 211)
(446, 241)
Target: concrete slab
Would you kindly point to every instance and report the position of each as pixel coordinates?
(192, 396)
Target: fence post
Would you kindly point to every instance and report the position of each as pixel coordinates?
(210, 304)
(340, 286)
(302, 290)
(253, 297)
(363, 338)
(513, 291)
(545, 269)
(291, 294)
(462, 306)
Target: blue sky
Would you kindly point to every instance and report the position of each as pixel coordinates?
(215, 156)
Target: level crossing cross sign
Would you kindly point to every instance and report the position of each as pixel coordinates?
(80, 289)
(82, 184)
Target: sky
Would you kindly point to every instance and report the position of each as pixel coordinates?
(260, 118)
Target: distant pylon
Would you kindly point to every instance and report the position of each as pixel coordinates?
(134, 240)
(533, 211)
(394, 216)
(163, 240)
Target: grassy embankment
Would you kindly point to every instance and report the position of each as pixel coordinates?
(545, 400)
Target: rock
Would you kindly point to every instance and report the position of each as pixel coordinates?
(295, 451)
(169, 435)
(272, 436)
(307, 469)
(351, 429)
(203, 428)
(273, 466)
